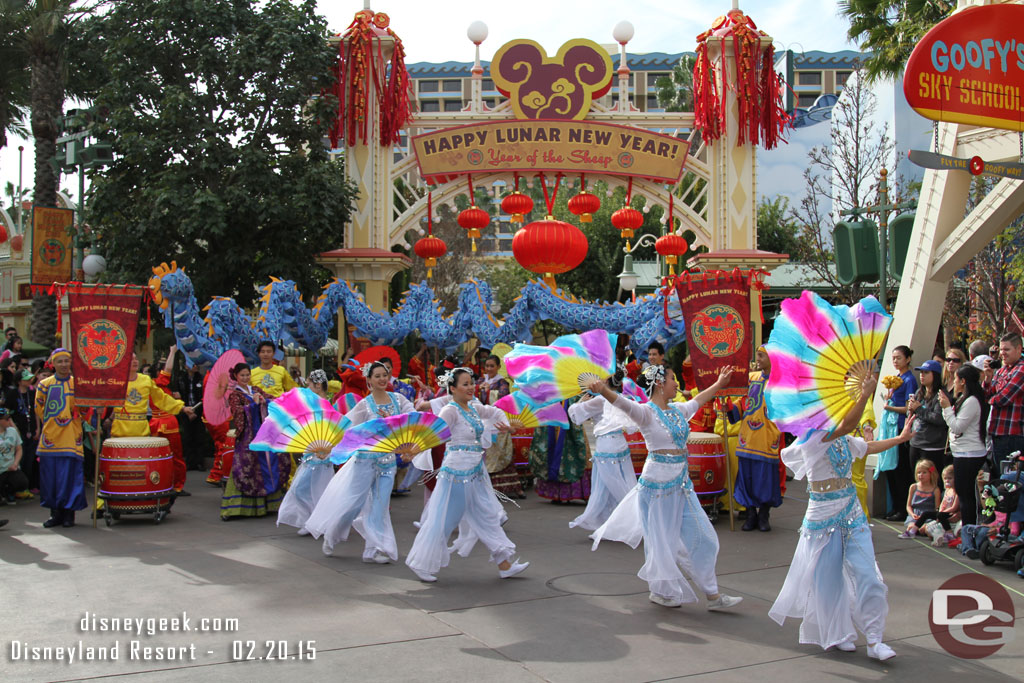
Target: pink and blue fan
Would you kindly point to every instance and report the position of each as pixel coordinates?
(523, 413)
(632, 390)
(564, 368)
(405, 434)
(820, 354)
(347, 402)
(300, 422)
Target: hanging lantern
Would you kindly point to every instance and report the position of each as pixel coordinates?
(3, 234)
(549, 247)
(473, 219)
(517, 205)
(671, 246)
(584, 205)
(627, 219)
(430, 249)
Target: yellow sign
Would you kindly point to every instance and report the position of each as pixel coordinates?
(51, 245)
(545, 145)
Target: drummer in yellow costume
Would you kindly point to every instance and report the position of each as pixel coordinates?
(274, 380)
(758, 486)
(131, 419)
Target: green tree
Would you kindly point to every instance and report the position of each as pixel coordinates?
(217, 126)
(14, 72)
(675, 92)
(778, 231)
(889, 30)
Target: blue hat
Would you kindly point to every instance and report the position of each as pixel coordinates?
(933, 365)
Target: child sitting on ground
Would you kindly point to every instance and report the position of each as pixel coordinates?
(971, 535)
(923, 497)
(939, 523)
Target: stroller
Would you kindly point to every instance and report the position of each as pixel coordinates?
(1006, 493)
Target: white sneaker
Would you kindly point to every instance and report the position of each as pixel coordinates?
(724, 601)
(663, 601)
(424, 576)
(303, 532)
(516, 568)
(381, 557)
(327, 548)
(847, 646)
(881, 652)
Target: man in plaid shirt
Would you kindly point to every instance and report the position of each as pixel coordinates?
(1005, 391)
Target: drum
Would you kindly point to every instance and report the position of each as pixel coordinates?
(707, 469)
(521, 440)
(637, 451)
(136, 476)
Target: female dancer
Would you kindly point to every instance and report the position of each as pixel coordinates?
(366, 476)
(663, 509)
(498, 459)
(254, 487)
(833, 582)
(313, 476)
(463, 492)
(612, 475)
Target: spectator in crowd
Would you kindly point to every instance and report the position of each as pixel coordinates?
(25, 420)
(1004, 389)
(954, 360)
(977, 348)
(189, 387)
(930, 431)
(967, 421)
(12, 479)
(900, 478)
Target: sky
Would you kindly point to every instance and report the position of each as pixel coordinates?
(436, 32)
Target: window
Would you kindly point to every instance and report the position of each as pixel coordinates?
(453, 105)
(428, 86)
(841, 77)
(430, 105)
(808, 78)
(652, 103)
(451, 86)
(488, 84)
(504, 245)
(806, 101)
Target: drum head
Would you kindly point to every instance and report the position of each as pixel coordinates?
(704, 437)
(136, 442)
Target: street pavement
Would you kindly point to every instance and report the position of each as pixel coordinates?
(574, 615)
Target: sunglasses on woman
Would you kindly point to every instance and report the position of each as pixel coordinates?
(953, 360)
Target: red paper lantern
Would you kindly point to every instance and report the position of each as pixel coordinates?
(430, 249)
(16, 242)
(627, 219)
(517, 205)
(671, 246)
(584, 205)
(549, 247)
(3, 234)
(473, 219)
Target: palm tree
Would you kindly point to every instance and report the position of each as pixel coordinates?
(42, 29)
(889, 30)
(14, 74)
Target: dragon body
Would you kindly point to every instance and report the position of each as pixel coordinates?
(282, 316)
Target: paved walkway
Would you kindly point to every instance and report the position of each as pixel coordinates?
(574, 615)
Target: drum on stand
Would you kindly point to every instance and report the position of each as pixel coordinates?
(136, 477)
(521, 440)
(707, 469)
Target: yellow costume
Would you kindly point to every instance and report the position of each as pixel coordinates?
(857, 475)
(131, 418)
(55, 408)
(274, 381)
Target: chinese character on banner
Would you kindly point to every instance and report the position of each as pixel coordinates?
(716, 308)
(51, 245)
(104, 319)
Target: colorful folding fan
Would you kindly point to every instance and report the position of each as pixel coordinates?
(820, 355)
(405, 434)
(347, 402)
(300, 422)
(525, 414)
(631, 389)
(565, 368)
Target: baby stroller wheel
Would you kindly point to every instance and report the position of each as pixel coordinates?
(985, 551)
(1018, 559)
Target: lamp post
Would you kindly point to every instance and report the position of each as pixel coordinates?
(477, 33)
(628, 279)
(623, 33)
(21, 208)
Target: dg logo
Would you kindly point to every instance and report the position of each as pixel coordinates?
(971, 616)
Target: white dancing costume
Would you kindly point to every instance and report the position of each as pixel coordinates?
(833, 583)
(612, 476)
(360, 493)
(309, 484)
(663, 509)
(463, 494)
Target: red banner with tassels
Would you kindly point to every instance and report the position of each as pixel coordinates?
(716, 309)
(104, 319)
(51, 246)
